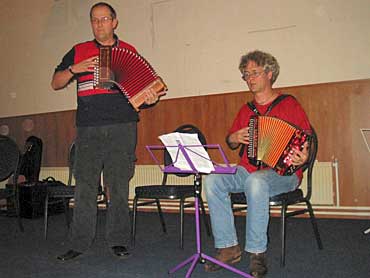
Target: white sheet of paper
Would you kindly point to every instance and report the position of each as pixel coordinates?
(197, 154)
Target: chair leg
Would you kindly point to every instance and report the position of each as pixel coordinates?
(182, 223)
(205, 219)
(133, 227)
(314, 225)
(18, 212)
(67, 211)
(46, 216)
(283, 236)
(106, 201)
(161, 216)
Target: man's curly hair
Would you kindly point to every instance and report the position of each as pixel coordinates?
(262, 59)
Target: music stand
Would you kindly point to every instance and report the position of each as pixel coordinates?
(198, 257)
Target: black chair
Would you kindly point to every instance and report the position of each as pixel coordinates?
(61, 193)
(9, 166)
(173, 192)
(290, 198)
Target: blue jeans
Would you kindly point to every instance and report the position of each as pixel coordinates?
(258, 187)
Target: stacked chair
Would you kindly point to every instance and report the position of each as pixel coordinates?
(9, 168)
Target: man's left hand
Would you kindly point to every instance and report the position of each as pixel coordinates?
(152, 97)
(300, 157)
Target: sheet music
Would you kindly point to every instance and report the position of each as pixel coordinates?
(193, 147)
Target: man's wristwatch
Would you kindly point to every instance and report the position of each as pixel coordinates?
(70, 70)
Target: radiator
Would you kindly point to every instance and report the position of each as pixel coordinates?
(325, 187)
(59, 173)
(322, 183)
(144, 175)
(322, 193)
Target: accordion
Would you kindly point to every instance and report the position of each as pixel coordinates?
(271, 142)
(132, 74)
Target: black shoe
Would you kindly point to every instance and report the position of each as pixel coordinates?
(120, 251)
(71, 254)
(258, 265)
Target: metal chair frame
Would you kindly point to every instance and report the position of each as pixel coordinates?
(164, 191)
(60, 193)
(64, 193)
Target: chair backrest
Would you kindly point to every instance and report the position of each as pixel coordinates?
(9, 159)
(186, 128)
(311, 161)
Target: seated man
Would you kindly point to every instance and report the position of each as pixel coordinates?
(260, 71)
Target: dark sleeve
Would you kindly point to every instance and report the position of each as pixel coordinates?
(67, 60)
(229, 144)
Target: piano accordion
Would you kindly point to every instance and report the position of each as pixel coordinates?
(271, 143)
(129, 71)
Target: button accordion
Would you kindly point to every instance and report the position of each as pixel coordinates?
(271, 143)
(132, 74)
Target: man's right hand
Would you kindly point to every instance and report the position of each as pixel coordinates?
(239, 137)
(85, 65)
(63, 77)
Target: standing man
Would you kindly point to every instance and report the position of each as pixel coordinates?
(259, 70)
(106, 139)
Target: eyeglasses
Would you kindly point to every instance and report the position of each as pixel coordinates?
(102, 20)
(247, 75)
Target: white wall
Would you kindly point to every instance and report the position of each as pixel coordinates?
(195, 45)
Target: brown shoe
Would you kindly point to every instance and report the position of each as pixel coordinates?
(229, 255)
(257, 265)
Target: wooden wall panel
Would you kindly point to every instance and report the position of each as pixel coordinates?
(57, 131)
(336, 110)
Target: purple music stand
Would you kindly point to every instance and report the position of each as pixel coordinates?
(198, 257)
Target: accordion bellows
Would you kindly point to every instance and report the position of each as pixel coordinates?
(132, 74)
(271, 141)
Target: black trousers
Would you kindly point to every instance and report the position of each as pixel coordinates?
(109, 149)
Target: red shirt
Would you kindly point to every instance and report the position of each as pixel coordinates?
(288, 110)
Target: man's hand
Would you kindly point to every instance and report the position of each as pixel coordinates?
(152, 97)
(238, 137)
(62, 78)
(300, 157)
(85, 65)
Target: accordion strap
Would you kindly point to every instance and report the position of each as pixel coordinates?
(254, 109)
(272, 105)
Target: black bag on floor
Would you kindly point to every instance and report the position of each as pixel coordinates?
(32, 198)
